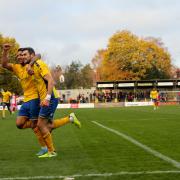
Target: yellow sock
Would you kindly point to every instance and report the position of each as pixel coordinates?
(3, 113)
(39, 137)
(49, 143)
(60, 122)
(27, 124)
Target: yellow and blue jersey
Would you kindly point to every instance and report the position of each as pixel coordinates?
(27, 82)
(40, 70)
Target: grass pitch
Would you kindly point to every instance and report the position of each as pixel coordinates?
(95, 153)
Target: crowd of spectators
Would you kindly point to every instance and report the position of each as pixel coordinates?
(108, 96)
(81, 98)
(121, 96)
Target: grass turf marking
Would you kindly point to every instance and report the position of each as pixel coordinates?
(93, 175)
(137, 143)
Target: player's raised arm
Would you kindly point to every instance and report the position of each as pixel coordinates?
(4, 59)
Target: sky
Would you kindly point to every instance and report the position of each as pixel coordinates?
(73, 30)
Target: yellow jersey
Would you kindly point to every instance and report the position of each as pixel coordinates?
(154, 94)
(6, 96)
(27, 82)
(40, 70)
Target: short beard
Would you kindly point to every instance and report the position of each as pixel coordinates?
(22, 64)
(26, 62)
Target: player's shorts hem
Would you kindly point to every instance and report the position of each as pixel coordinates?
(33, 119)
(22, 116)
(46, 117)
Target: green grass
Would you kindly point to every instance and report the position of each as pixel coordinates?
(94, 150)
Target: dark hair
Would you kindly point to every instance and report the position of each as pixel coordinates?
(20, 49)
(29, 49)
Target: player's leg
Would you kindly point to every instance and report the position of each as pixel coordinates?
(27, 118)
(72, 118)
(154, 104)
(158, 104)
(9, 107)
(34, 113)
(41, 141)
(46, 119)
(43, 127)
(3, 110)
(65, 120)
(22, 121)
(46, 115)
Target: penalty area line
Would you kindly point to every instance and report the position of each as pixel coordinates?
(93, 175)
(137, 143)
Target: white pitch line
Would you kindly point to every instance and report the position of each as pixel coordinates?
(119, 120)
(146, 148)
(93, 175)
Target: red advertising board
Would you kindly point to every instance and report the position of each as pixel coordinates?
(74, 105)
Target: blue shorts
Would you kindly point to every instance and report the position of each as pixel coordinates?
(154, 100)
(30, 109)
(47, 112)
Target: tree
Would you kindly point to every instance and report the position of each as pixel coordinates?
(73, 75)
(77, 76)
(128, 57)
(96, 64)
(13, 50)
(7, 79)
(86, 76)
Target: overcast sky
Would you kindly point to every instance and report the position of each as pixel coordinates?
(66, 30)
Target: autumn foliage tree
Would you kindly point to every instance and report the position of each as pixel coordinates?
(96, 64)
(7, 78)
(129, 57)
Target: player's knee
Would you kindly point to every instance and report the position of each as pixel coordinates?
(50, 127)
(41, 124)
(34, 124)
(19, 126)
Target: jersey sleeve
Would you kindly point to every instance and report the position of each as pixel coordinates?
(43, 68)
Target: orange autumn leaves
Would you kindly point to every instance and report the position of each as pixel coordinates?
(129, 57)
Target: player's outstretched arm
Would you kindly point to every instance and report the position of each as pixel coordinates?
(4, 59)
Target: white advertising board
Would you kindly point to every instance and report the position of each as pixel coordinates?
(149, 103)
